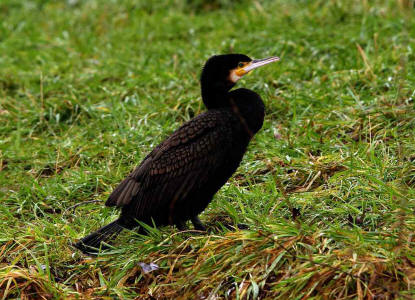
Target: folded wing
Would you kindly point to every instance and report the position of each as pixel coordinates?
(181, 164)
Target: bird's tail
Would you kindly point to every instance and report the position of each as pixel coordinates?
(92, 242)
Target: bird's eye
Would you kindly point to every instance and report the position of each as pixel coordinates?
(240, 65)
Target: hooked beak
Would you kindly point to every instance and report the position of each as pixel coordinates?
(256, 63)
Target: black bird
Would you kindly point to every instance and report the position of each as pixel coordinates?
(178, 179)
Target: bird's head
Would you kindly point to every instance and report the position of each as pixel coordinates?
(221, 72)
(229, 68)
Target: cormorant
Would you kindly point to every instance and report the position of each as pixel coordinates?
(178, 179)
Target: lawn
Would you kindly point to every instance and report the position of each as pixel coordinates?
(327, 188)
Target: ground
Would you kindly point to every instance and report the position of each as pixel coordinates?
(327, 188)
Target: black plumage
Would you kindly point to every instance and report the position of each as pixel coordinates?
(178, 179)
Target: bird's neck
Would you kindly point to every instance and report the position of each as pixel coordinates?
(216, 95)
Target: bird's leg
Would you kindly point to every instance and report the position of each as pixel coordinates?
(295, 212)
(198, 224)
(181, 225)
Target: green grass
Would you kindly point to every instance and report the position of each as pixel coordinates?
(88, 88)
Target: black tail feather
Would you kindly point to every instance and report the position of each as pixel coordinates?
(92, 242)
